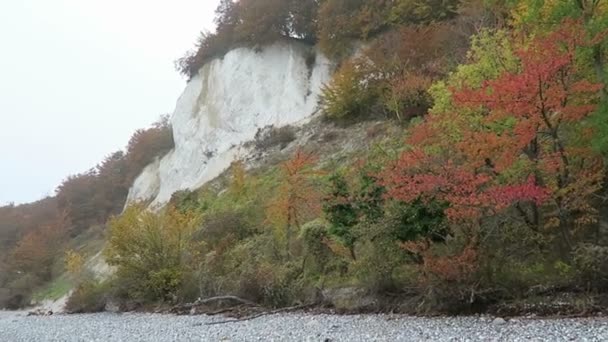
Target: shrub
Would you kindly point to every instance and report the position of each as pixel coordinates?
(316, 252)
(88, 297)
(152, 252)
(591, 264)
(378, 263)
(230, 223)
(186, 200)
(351, 93)
(253, 269)
(165, 283)
(74, 264)
(275, 136)
(13, 300)
(296, 200)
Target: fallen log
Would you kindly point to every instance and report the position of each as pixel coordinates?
(183, 308)
(265, 313)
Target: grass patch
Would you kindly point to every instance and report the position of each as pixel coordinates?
(53, 290)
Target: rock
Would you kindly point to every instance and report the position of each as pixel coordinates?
(499, 321)
(112, 306)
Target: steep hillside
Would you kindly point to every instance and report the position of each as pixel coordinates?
(446, 156)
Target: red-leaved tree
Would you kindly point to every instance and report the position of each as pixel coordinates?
(519, 142)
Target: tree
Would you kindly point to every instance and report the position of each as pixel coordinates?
(76, 197)
(519, 142)
(263, 21)
(147, 144)
(111, 187)
(349, 204)
(75, 266)
(38, 249)
(253, 23)
(423, 11)
(342, 22)
(341, 212)
(531, 16)
(296, 200)
(303, 19)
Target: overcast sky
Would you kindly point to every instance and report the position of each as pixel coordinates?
(77, 77)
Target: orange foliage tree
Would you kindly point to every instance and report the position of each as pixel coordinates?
(297, 198)
(37, 250)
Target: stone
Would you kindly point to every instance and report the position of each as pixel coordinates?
(499, 321)
(112, 306)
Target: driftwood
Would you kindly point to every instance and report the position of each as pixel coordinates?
(224, 298)
(185, 308)
(40, 312)
(265, 313)
(244, 309)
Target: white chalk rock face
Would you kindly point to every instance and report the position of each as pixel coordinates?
(225, 105)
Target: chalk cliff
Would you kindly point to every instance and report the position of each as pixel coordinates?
(224, 106)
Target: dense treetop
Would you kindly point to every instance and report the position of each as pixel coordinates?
(334, 24)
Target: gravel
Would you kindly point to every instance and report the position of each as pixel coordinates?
(16, 327)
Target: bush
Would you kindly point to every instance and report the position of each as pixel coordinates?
(21, 290)
(186, 200)
(275, 136)
(351, 93)
(12, 300)
(88, 297)
(316, 252)
(378, 267)
(153, 252)
(591, 263)
(225, 227)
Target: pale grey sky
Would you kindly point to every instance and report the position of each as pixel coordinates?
(77, 77)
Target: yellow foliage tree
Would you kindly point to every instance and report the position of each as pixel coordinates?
(153, 251)
(74, 263)
(237, 181)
